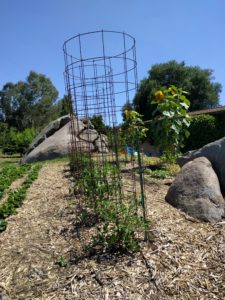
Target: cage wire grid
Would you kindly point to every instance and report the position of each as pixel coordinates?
(101, 74)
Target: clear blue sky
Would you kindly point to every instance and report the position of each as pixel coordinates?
(32, 33)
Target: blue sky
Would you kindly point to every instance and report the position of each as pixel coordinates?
(32, 33)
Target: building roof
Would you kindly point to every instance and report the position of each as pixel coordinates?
(210, 111)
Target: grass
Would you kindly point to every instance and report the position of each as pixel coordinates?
(57, 160)
(6, 161)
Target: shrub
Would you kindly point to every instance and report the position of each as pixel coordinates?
(99, 125)
(3, 129)
(17, 142)
(118, 218)
(204, 129)
(170, 124)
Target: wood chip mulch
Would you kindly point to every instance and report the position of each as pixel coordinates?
(184, 259)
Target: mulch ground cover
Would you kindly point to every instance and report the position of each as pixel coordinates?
(41, 252)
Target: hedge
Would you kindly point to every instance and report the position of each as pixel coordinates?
(204, 129)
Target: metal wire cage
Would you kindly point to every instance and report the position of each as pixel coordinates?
(100, 76)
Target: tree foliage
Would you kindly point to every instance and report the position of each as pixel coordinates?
(63, 106)
(29, 103)
(202, 91)
(98, 123)
(17, 142)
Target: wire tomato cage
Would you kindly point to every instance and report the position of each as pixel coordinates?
(100, 76)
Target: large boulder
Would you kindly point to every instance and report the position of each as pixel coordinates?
(102, 144)
(48, 131)
(88, 135)
(55, 140)
(56, 145)
(215, 152)
(196, 191)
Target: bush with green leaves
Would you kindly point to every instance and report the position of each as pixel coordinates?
(99, 125)
(204, 129)
(117, 216)
(3, 129)
(133, 128)
(15, 142)
(169, 126)
(96, 181)
(158, 174)
(120, 222)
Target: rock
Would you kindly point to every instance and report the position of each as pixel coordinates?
(215, 152)
(56, 145)
(101, 144)
(78, 125)
(104, 139)
(88, 135)
(55, 140)
(196, 191)
(48, 131)
(87, 123)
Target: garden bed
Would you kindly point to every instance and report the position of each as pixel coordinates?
(184, 258)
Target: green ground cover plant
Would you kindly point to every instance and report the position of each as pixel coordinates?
(16, 197)
(158, 174)
(120, 222)
(10, 173)
(161, 168)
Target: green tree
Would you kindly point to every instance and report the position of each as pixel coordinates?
(3, 130)
(14, 141)
(99, 125)
(63, 106)
(202, 91)
(30, 103)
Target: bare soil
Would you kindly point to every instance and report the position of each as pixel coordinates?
(185, 259)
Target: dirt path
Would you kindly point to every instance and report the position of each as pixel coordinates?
(30, 246)
(185, 260)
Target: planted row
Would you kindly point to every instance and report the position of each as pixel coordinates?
(16, 197)
(117, 215)
(9, 174)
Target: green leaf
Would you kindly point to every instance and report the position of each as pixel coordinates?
(186, 122)
(187, 134)
(186, 106)
(168, 113)
(175, 128)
